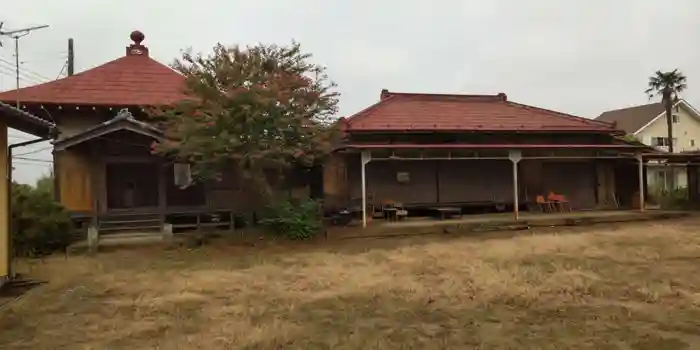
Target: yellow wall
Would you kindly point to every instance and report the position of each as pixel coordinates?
(74, 181)
(4, 215)
(687, 133)
(687, 130)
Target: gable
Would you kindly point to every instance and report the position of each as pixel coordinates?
(686, 131)
(688, 117)
(122, 121)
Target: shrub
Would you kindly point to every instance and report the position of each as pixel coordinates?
(294, 219)
(40, 225)
(673, 199)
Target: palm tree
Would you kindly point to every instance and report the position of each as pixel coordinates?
(668, 85)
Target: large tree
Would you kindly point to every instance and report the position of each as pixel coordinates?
(668, 85)
(258, 110)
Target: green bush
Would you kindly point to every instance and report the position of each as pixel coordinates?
(295, 220)
(40, 225)
(671, 199)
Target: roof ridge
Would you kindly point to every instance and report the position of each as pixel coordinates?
(498, 96)
(367, 111)
(632, 107)
(393, 95)
(565, 115)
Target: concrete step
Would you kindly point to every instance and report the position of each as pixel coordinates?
(121, 239)
(112, 230)
(115, 223)
(132, 234)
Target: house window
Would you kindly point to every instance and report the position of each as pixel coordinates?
(662, 141)
(660, 176)
(403, 177)
(675, 118)
(692, 143)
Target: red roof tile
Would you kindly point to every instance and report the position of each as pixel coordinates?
(432, 112)
(132, 80)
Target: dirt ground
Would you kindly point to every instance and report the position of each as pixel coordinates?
(634, 286)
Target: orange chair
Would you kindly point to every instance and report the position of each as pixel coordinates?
(543, 204)
(559, 201)
(564, 204)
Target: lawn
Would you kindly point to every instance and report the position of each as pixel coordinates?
(633, 286)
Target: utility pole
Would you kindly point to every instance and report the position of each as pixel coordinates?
(71, 57)
(16, 34)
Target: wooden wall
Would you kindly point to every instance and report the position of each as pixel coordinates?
(335, 180)
(605, 173)
(574, 179)
(450, 182)
(74, 180)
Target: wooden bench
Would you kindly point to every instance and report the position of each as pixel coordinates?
(446, 212)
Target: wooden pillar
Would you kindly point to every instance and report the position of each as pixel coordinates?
(162, 195)
(94, 168)
(642, 181)
(365, 158)
(515, 156)
(646, 179)
(5, 244)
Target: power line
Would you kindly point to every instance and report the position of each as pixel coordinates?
(8, 72)
(17, 34)
(43, 165)
(25, 70)
(28, 78)
(34, 151)
(28, 82)
(62, 69)
(33, 160)
(20, 138)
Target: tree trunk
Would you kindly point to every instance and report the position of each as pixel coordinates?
(668, 106)
(669, 122)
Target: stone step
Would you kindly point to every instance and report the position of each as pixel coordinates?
(128, 217)
(115, 223)
(111, 230)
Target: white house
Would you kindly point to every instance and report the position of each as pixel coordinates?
(648, 124)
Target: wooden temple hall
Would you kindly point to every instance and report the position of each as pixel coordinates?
(422, 151)
(103, 167)
(447, 152)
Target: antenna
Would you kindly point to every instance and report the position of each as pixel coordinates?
(16, 34)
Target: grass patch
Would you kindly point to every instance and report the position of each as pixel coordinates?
(603, 287)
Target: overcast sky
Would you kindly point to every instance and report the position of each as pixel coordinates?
(579, 57)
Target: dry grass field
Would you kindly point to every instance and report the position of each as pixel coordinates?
(634, 286)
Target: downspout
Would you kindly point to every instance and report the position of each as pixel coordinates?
(10, 249)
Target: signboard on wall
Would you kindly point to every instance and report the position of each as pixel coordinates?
(183, 174)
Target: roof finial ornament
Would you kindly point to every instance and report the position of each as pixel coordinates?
(137, 37)
(136, 49)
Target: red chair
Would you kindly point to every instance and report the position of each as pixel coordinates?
(560, 201)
